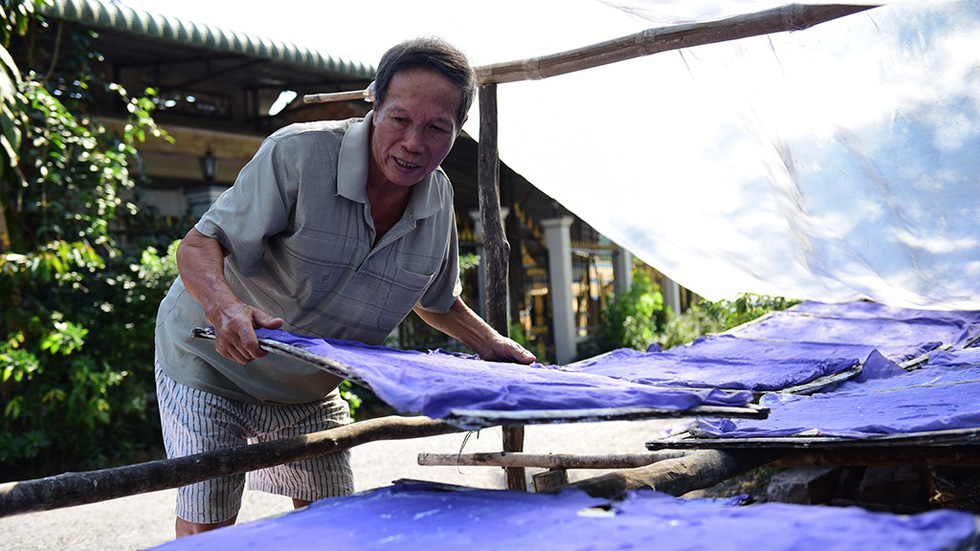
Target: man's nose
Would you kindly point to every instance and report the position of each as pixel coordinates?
(414, 138)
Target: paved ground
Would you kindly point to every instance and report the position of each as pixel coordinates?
(147, 520)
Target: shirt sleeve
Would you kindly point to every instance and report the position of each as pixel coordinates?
(255, 207)
(445, 287)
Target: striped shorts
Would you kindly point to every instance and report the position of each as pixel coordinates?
(195, 421)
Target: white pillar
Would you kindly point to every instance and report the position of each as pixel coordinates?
(622, 271)
(672, 294)
(559, 242)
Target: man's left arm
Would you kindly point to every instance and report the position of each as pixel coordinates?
(463, 324)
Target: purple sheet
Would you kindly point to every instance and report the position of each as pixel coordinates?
(414, 517)
(724, 361)
(896, 339)
(871, 310)
(939, 396)
(438, 383)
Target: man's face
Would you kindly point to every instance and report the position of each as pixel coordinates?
(415, 127)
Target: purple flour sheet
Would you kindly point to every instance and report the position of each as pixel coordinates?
(896, 339)
(418, 516)
(439, 383)
(940, 396)
(724, 361)
(872, 310)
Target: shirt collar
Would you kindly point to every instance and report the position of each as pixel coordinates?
(352, 173)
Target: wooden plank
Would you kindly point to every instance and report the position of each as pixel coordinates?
(550, 480)
(792, 17)
(69, 489)
(858, 456)
(823, 382)
(939, 438)
(549, 460)
(195, 141)
(477, 418)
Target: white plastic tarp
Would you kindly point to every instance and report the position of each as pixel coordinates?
(834, 163)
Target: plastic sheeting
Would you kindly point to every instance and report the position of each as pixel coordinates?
(832, 163)
(729, 362)
(899, 334)
(940, 396)
(415, 516)
(794, 347)
(437, 383)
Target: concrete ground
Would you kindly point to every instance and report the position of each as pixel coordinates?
(147, 520)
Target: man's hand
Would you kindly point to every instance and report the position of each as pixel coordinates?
(503, 349)
(200, 260)
(235, 326)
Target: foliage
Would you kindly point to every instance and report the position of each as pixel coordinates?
(638, 318)
(76, 346)
(746, 307)
(705, 317)
(468, 261)
(633, 319)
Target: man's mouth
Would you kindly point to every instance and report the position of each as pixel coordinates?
(405, 164)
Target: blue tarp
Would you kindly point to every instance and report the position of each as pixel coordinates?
(725, 361)
(898, 333)
(945, 394)
(416, 516)
(437, 383)
(786, 349)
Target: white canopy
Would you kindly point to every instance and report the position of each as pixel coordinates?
(834, 163)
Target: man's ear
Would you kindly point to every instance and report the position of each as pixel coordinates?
(460, 129)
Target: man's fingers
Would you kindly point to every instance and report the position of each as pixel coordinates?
(261, 319)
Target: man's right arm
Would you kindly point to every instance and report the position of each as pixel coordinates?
(201, 263)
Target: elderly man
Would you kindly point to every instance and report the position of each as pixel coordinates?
(336, 229)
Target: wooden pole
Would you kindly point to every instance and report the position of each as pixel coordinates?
(793, 17)
(497, 251)
(550, 460)
(69, 489)
(695, 471)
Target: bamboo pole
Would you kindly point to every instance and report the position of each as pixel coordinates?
(548, 461)
(497, 252)
(70, 489)
(792, 17)
(365, 95)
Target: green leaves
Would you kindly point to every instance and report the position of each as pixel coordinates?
(633, 319)
(79, 303)
(17, 363)
(66, 338)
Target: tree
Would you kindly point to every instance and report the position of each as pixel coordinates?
(78, 306)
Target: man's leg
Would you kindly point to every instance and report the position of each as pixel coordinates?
(300, 503)
(311, 479)
(195, 421)
(186, 528)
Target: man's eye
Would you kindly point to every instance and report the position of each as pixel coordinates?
(437, 129)
(401, 120)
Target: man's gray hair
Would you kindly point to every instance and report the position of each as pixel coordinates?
(428, 53)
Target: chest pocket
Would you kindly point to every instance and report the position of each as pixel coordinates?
(404, 292)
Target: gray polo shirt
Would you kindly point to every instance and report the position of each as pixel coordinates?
(298, 229)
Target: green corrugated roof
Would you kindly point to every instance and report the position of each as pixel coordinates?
(123, 18)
